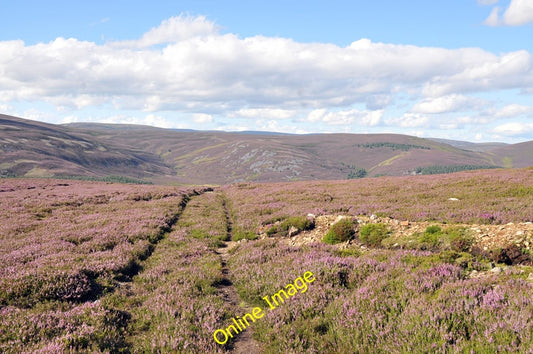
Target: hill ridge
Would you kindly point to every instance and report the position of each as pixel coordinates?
(36, 149)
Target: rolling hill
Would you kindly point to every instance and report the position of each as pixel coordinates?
(37, 149)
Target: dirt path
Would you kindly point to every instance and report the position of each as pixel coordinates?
(244, 343)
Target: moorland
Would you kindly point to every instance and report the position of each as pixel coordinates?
(401, 264)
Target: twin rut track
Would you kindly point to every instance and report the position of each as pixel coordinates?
(243, 343)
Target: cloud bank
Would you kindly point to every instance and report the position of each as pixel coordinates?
(187, 66)
(519, 13)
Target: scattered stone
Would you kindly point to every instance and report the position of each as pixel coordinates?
(453, 199)
(339, 218)
(293, 231)
(530, 276)
(474, 274)
(496, 270)
(489, 237)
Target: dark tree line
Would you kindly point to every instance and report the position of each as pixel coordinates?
(393, 146)
(433, 170)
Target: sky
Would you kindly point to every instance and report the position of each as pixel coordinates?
(455, 69)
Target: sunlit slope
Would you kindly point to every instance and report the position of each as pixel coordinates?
(35, 149)
(218, 157)
(516, 156)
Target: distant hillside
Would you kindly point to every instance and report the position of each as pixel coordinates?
(516, 155)
(193, 157)
(37, 149)
(465, 145)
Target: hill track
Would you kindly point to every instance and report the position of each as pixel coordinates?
(244, 343)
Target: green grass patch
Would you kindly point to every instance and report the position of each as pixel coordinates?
(455, 238)
(301, 223)
(244, 235)
(374, 234)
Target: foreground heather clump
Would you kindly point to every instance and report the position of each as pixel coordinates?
(383, 300)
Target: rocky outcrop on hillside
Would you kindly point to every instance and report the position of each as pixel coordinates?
(487, 237)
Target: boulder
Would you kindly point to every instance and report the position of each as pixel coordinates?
(496, 270)
(293, 231)
(339, 218)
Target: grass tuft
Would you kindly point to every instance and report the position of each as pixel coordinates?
(373, 234)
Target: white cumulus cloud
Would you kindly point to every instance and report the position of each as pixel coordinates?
(409, 120)
(346, 117)
(444, 104)
(514, 129)
(485, 72)
(173, 30)
(4, 108)
(202, 118)
(186, 67)
(513, 110)
(266, 113)
(494, 18)
(519, 12)
(222, 72)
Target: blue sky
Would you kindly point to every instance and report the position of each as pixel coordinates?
(459, 69)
